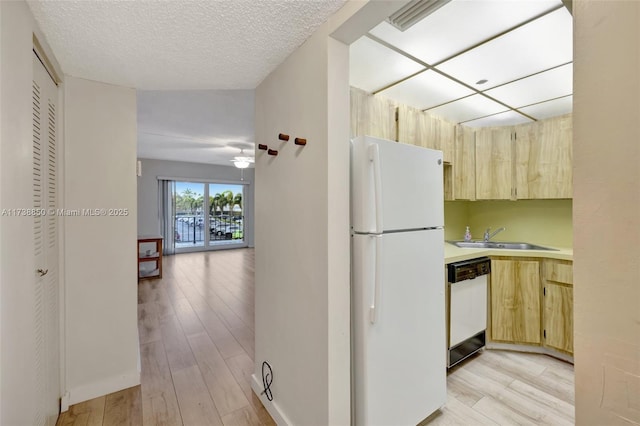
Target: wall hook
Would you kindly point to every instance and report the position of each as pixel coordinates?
(283, 137)
(300, 141)
(262, 147)
(272, 152)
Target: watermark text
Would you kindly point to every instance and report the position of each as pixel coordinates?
(35, 212)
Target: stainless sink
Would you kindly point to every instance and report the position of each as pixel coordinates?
(498, 245)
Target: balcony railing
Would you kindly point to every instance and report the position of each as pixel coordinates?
(191, 228)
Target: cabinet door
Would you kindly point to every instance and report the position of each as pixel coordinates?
(447, 140)
(524, 136)
(494, 164)
(372, 115)
(419, 128)
(558, 304)
(409, 125)
(558, 317)
(515, 301)
(464, 165)
(544, 159)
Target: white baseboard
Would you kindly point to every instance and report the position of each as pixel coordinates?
(64, 402)
(272, 408)
(93, 390)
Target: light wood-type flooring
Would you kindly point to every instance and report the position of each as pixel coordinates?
(196, 347)
(508, 388)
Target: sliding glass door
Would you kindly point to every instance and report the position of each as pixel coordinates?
(204, 215)
(226, 218)
(190, 215)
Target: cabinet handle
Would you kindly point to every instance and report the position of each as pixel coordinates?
(43, 272)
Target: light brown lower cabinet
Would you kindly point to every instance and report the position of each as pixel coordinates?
(557, 294)
(515, 301)
(531, 302)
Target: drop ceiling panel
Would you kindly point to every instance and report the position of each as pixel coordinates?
(459, 25)
(509, 118)
(468, 108)
(537, 46)
(550, 109)
(426, 90)
(373, 66)
(540, 87)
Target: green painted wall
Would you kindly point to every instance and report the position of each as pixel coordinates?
(456, 218)
(533, 221)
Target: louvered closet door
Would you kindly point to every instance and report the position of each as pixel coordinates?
(45, 235)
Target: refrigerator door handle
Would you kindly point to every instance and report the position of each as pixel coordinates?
(374, 157)
(373, 312)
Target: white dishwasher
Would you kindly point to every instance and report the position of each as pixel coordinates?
(467, 290)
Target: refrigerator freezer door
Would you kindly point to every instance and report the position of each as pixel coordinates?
(399, 354)
(404, 180)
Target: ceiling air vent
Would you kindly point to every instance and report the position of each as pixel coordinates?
(414, 12)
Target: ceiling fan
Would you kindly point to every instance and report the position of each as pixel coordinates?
(241, 161)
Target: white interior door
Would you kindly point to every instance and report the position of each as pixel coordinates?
(45, 235)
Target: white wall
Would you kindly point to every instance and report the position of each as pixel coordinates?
(17, 346)
(100, 252)
(302, 242)
(302, 224)
(606, 205)
(148, 204)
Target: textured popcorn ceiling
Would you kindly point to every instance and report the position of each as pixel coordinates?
(182, 45)
(177, 44)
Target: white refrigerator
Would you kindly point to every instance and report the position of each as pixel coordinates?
(398, 301)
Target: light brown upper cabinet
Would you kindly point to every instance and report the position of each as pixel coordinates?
(464, 164)
(494, 163)
(525, 136)
(416, 127)
(447, 137)
(544, 159)
(372, 115)
(528, 161)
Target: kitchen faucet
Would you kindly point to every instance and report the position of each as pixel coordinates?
(488, 235)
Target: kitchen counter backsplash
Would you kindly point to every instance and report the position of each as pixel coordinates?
(542, 222)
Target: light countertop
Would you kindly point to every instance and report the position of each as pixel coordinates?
(453, 253)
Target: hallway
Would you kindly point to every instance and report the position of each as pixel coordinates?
(196, 348)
